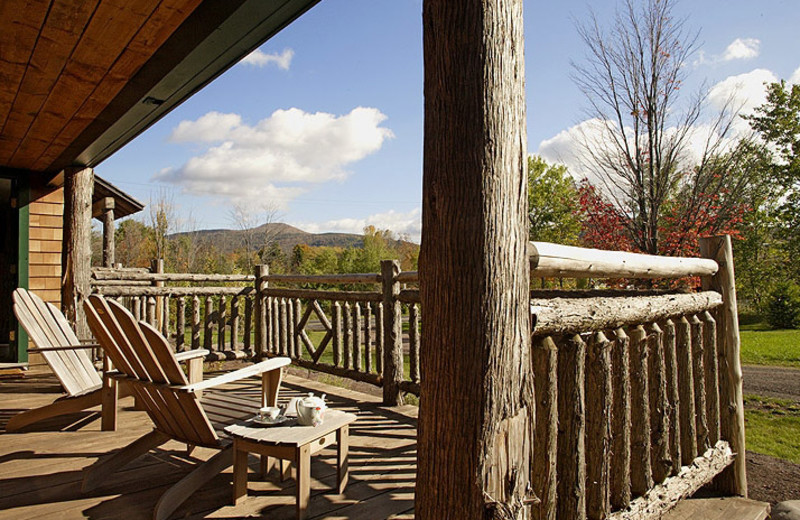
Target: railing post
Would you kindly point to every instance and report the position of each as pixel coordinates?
(734, 479)
(261, 311)
(392, 334)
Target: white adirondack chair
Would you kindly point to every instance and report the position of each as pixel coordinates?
(72, 365)
(177, 407)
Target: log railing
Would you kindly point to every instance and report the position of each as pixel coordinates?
(638, 392)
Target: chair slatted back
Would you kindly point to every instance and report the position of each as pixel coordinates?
(48, 328)
(141, 352)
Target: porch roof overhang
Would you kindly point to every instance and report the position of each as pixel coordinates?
(81, 78)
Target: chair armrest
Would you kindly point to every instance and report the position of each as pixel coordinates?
(253, 370)
(191, 354)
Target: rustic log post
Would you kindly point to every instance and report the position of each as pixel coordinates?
(659, 414)
(544, 476)
(235, 320)
(180, 324)
(641, 469)
(296, 314)
(392, 334)
(571, 469)
(137, 308)
(734, 479)
(673, 395)
(712, 376)
(620, 485)
(283, 326)
(260, 305)
(104, 209)
(474, 268)
(598, 426)
(76, 252)
(152, 305)
(699, 373)
(688, 430)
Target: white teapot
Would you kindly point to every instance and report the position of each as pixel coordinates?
(310, 410)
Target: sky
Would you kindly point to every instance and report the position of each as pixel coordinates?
(321, 127)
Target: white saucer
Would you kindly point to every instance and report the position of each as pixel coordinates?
(271, 422)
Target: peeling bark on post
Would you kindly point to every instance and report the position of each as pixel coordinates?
(544, 476)
(673, 396)
(659, 418)
(734, 479)
(641, 471)
(686, 390)
(571, 494)
(76, 255)
(598, 426)
(620, 486)
(476, 416)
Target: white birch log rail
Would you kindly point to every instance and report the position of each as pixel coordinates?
(691, 478)
(124, 275)
(579, 315)
(347, 278)
(115, 291)
(557, 261)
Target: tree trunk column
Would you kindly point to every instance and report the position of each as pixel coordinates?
(104, 210)
(76, 253)
(477, 409)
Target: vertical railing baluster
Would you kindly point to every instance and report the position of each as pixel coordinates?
(357, 336)
(673, 395)
(659, 415)
(367, 337)
(379, 337)
(699, 373)
(686, 391)
(248, 325)
(348, 335)
(712, 376)
(180, 324)
(207, 323)
(544, 476)
(222, 318)
(413, 340)
(235, 344)
(283, 325)
(598, 426)
(620, 486)
(572, 429)
(336, 316)
(641, 468)
(195, 322)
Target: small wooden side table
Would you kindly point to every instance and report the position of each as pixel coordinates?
(294, 443)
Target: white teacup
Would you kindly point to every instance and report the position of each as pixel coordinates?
(268, 413)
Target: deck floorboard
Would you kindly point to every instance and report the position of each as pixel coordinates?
(40, 468)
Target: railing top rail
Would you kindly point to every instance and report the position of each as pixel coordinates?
(172, 291)
(557, 261)
(169, 277)
(579, 315)
(346, 278)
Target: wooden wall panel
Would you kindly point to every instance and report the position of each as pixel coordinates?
(45, 243)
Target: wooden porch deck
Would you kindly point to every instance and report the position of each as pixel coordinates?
(40, 470)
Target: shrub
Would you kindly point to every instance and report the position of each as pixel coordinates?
(783, 310)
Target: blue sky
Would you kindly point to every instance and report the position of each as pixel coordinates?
(324, 125)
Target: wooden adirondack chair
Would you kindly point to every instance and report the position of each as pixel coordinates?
(176, 407)
(70, 362)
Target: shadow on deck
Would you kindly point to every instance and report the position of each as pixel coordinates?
(40, 469)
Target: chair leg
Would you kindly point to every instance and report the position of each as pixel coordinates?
(110, 395)
(96, 474)
(177, 494)
(60, 407)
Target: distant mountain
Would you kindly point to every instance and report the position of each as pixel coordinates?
(228, 240)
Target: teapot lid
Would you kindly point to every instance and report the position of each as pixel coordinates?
(312, 400)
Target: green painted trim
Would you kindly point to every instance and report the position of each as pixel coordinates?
(23, 257)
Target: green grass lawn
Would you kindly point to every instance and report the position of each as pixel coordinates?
(762, 346)
(773, 427)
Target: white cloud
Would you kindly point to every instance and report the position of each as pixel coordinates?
(742, 49)
(795, 77)
(278, 157)
(402, 224)
(744, 92)
(259, 58)
(738, 49)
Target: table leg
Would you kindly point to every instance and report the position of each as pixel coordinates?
(239, 473)
(303, 466)
(270, 385)
(342, 446)
(266, 465)
(285, 468)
